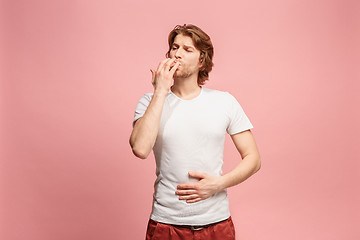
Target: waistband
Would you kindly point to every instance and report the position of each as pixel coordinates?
(197, 227)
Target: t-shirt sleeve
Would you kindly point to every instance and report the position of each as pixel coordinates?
(238, 122)
(142, 106)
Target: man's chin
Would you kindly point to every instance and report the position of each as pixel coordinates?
(176, 73)
(178, 76)
(181, 75)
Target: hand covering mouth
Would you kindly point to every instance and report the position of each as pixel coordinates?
(173, 64)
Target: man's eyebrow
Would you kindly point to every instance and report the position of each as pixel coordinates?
(186, 46)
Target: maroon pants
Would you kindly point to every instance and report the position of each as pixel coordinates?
(160, 231)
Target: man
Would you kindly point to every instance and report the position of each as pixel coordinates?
(185, 124)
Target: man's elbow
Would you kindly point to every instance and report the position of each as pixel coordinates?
(136, 150)
(258, 164)
(140, 154)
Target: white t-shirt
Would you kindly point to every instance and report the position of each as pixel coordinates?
(191, 138)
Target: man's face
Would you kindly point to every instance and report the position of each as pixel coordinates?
(185, 52)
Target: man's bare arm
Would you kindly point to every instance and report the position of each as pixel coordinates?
(146, 128)
(250, 164)
(208, 185)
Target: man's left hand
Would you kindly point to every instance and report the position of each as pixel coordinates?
(192, 192)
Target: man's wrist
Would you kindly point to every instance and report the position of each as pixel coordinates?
(222, 183)
(160, 92)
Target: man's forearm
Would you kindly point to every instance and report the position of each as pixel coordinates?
(145, 131)
(247, 167)
(208, 184)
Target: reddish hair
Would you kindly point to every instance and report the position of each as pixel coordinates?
(202, 42)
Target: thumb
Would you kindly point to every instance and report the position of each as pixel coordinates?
(199, 175)
(152, 75)
(152, 72)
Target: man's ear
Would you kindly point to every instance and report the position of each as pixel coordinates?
(201, 65)
(202, 56)
(201, 61)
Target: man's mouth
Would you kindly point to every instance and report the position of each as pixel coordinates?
(173, 64)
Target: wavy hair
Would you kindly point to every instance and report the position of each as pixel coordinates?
(202, 42)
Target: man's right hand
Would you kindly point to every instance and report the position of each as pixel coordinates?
(163, 76)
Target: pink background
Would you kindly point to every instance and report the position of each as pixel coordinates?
(73, 71)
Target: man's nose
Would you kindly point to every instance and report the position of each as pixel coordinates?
(178, 53)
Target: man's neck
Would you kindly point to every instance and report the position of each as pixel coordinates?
(187, 88)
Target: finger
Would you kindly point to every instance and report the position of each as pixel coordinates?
(152, 75)
(185, 192)
(161, 64)
(194, 200)
(186, 186)
(173, 69)
(199, 175)
(167, 65)
(189, 197)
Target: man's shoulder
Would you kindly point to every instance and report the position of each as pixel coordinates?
(147, 96)
(208, 91)
(216, 93)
